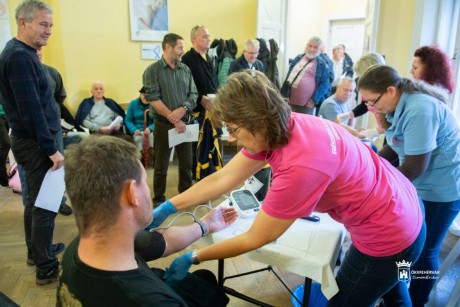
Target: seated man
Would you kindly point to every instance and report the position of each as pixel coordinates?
(134, 120)
(112, 204)
(248, 60)
(339, 102)
(97, 112)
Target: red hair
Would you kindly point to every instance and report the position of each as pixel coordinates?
(437, 67)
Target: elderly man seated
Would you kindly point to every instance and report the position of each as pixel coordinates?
(339, 102)
(248, 60)
(98, 112)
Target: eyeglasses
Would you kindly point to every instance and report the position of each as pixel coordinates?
(232, 132)
(375, 101)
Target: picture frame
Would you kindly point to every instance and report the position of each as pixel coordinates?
(148, 19)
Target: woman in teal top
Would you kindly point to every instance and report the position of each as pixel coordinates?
(425, 136)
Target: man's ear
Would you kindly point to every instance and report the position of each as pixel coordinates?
(131, 192)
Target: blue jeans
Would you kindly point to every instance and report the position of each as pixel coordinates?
(439, 216)
(38, 223)
(363, 279)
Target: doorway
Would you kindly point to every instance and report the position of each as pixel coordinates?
(349, 32)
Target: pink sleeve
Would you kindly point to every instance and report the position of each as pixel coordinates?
(295, 192)
(258, 156)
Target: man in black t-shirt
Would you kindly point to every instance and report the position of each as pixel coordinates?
(107, 186)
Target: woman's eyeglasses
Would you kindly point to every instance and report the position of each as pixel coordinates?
(233, 131)
(375, 101)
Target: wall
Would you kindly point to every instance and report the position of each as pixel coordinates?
(395, 33)
(309, 18)
(91, 42)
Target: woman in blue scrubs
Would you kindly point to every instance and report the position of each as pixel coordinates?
(424, 134)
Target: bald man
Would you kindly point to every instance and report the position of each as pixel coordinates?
(97, 112)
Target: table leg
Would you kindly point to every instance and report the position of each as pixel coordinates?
(306, 292)
(220, 272)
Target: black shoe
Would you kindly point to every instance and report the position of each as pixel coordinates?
(4, 181)
(57, 249)
(65, 209)
(47, 278)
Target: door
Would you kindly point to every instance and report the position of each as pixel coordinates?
(271, 24)
(349, 32)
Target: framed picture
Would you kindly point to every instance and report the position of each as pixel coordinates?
(149, 19)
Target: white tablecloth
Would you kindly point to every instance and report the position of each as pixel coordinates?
(307, 248)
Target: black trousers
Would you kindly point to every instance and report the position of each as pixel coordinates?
(5, 144)
(38, 222)
(162, 153)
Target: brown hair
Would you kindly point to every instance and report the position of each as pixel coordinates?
(251, 101)
(95, 173)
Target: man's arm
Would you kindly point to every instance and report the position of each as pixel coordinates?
(192, 95)
(179, 237)
(59, 93)
(323, 86)
(164, 242)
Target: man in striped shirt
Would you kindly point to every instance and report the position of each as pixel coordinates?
(172, 93)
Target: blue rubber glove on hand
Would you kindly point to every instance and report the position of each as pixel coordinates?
(161, 213)
(178, 269)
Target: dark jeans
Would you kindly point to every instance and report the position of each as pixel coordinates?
(162, 153)
(5, 144)
(363, 279)
(38, 223)
(438, 217)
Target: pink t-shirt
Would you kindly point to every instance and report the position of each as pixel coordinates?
(324, 168)
(304, 86)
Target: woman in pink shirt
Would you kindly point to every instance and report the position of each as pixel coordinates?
(317, 166)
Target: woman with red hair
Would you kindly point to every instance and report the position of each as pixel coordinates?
(433, 66)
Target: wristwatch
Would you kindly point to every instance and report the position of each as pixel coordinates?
(186, 108)
(195, 257)
(204, 228)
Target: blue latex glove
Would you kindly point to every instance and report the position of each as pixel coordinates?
(161, 213)
(178, 269)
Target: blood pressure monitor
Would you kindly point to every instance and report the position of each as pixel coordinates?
(245, 203)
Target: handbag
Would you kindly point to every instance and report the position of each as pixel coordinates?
(285, 90)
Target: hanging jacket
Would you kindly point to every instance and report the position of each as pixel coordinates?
(208, 149)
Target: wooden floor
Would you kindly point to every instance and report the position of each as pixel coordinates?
(17, 279)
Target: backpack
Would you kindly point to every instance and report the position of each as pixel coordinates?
(13, 179)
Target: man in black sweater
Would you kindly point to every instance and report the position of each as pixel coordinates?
(34, 120)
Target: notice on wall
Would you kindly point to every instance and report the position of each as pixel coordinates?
(151, 51)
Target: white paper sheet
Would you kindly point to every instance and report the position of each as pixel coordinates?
(116, 121)
(190, 135)
(51, 192)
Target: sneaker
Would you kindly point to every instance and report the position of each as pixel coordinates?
(57, 249)
(47, 278)
(65, 209)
